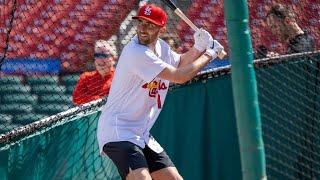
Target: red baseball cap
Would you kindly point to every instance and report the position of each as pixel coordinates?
(152, 13)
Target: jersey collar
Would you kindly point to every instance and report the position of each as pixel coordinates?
(158, 45)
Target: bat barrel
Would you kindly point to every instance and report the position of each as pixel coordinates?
(170, 4)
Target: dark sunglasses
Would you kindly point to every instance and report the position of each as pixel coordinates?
(101, 55)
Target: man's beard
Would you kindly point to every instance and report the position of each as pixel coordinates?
(145, 41)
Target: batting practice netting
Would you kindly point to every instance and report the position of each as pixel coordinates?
(289, 95)
(46, 45)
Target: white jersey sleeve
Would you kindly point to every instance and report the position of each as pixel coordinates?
(144, 63)
(175, 58)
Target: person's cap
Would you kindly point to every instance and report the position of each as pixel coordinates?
(152, 13)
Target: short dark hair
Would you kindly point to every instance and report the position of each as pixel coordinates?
(280, 11)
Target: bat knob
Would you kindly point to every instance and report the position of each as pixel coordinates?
(222, 54)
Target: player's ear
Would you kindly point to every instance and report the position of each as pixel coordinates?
(163, 30)
(288, 21)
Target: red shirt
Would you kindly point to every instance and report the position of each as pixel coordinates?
(92, 86)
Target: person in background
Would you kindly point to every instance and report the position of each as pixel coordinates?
(282, 23)
(172, 41)
(284, 26)
(96, 84)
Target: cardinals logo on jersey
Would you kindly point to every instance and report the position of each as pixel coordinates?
(154, 87)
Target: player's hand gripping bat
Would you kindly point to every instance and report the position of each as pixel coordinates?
(178, 12)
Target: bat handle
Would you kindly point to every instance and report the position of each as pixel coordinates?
(221, 55)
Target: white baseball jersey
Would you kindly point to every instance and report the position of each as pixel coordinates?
(136, 96)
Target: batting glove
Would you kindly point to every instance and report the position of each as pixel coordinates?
(201, 39)
(214, 49)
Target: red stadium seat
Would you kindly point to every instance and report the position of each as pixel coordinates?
(209, 14)
(64, 25)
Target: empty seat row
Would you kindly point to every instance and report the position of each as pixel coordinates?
(16, 91)
(6, 89)
(43, 79)
(5, 118)
(48, 89)
(8, 127)
(25, 119)
(51, 108)
(24, 100)
(19, 98)
(34, 99)
(56, 98)
(40, 79)
(11, 80)
(44, 108)
(16, 108)
(70, 79)
(36, 89)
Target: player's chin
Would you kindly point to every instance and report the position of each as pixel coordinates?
(144, 41)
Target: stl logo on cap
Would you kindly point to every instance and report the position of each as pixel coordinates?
(152, 13)
(147, 11)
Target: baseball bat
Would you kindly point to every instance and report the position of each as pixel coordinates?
(178, 12)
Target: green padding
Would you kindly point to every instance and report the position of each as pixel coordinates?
(48, 89)
(3, 164)
(20, 98)
(65, 152)
(16, 108)
(49, 108)
(70, 79)
(11, 79)
(56, 98)
(197, 128)
(14, 88)
(45, 79)
(27, 118)
(5, 118)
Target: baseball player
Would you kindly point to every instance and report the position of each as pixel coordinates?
(138, 90)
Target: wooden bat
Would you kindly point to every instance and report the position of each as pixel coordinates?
(178, 12)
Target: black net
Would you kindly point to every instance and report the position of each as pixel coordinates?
(289, 102)
(62, 146)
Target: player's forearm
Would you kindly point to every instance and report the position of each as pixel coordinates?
(189, 57)
(183, 74)
(187, 72)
